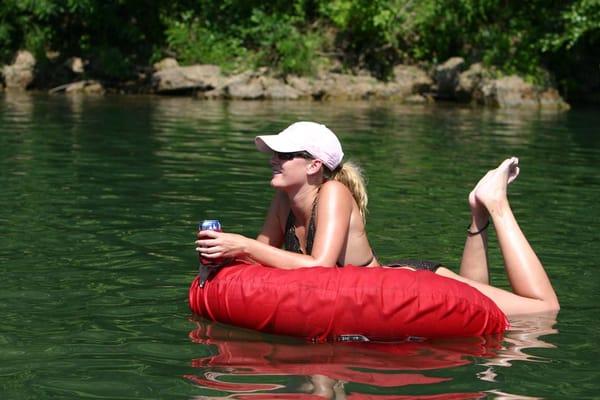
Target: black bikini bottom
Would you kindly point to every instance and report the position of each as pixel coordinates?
(416, 264)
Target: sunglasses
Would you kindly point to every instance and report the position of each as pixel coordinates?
(290, 156)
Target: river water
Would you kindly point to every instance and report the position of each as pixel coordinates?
(100, 198)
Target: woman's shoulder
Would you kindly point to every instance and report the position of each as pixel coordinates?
(335, 190)
(334, 186)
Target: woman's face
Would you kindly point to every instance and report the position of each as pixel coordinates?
(289, 169)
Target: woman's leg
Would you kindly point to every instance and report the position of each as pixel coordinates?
(474, 262)
(533, 291)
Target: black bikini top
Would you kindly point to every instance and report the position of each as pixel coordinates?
(291, 241)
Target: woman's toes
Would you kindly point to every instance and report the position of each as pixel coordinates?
(513, 173)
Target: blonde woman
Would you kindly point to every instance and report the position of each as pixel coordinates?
(317, 216)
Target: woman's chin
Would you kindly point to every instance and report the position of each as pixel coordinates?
(276, 181)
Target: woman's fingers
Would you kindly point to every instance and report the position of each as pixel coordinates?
(218, 244)
(211, 250)
(212, 256)
(206, 239)
(206, 242)
(207, 234)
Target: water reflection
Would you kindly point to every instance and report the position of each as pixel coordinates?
(244, 364)
(527, 332)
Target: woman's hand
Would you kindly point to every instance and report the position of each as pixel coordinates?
(215, 245)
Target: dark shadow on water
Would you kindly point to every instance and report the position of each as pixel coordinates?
(244, 364)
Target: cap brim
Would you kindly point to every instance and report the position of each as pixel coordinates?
(268, 143)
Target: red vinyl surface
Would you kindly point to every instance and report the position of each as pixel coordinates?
(325, 303)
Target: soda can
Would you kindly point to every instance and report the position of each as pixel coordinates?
(208, 267)
(210, 225)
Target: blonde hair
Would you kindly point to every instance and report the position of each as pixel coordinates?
(351, 175)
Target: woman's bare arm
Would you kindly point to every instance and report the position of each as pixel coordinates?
(271, 232)
(333, 218)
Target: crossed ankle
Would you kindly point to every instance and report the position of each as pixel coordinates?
(478, 228)
(479, 218)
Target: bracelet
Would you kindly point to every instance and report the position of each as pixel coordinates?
(479, 231)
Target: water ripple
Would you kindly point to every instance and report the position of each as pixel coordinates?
(101, 198)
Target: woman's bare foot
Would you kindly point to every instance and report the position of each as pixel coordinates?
(510, 167)
(478, 210)
(490, 192)
(474, 263)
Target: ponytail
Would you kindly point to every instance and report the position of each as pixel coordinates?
(351, 175)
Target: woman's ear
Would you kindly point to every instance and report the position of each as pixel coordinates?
(314, 166)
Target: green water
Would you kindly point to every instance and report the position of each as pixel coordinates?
(99, 200)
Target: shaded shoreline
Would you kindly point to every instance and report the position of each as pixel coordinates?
(452, 81)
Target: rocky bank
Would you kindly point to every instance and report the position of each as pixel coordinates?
(452, 81)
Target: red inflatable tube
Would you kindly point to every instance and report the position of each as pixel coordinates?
(323, 304)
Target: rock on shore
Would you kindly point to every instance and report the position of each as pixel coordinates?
(452, 80)
(479, 85)
(20, 74)
(409, 83)
(449, 81)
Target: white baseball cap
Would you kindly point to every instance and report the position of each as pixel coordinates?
(316, 139)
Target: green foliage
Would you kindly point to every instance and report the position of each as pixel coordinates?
(369, 31)
(111, 63)
(296, 36)
(194, 42)
(279, 43)
(261, 38)
(580, 19)
(571, 50)
(514, 37)
(478, 30)
(112, 35)
(19, 29)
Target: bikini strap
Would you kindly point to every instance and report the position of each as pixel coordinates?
(290, 240)
(310, 235)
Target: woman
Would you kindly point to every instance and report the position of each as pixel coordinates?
(317, 213)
